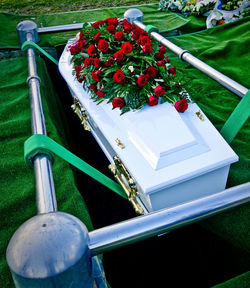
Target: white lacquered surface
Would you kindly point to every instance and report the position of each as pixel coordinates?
(162, 147)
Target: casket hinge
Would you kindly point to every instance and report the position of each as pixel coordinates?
(81, 113)
(200, 116)
(119, 143)
(127, 182)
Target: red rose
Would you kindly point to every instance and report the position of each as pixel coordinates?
(168, 60)
(181, 105)
(159, 56)
(99, 93)
(118, 102)
(127, 47)
(159, 90)
(91, 50)
(142, 80)
(118, 55)
(143, 40)
(75, 49)
(97, 24)
(147, 49)
(162, 50)
(151, 71)
(95, 75)
(112, 21)
(88, 61)
(103, 45)
(81, 35)
(119, 36)
(137, 32)
(82, 43)
(152, 101)
(161, 63)
(97, 36)
(172, 70)
(127, 28)
(97, 63)
(110, 62)
(119, 77)
(111, 29)
(93, 87)
(79, 76)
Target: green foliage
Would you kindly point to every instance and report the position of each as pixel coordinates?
(231, 4)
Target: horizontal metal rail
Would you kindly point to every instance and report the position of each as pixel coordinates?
(60, 28)
(184, 55)
(142, 227)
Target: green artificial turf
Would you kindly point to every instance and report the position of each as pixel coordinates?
(8, 37)
(17, 188)
(241, 281)
(225, 48)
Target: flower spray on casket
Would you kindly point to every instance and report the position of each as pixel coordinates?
(117, 61)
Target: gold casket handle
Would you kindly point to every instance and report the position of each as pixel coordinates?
(121, 174)
(81, 113)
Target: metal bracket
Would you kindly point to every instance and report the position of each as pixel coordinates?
(81, 113)
(127, 182)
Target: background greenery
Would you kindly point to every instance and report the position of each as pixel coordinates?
(50, 6)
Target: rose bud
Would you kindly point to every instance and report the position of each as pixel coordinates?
(91, 50)
(119, 36)
(152, 101)
(181, 105)
(142, 80)
(99, 93)
(103, 45)
(159, 91)
(118, 102)
(162, 50)
(172, 70)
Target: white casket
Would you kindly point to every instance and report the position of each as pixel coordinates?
(164, 157)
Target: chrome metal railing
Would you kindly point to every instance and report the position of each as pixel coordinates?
(54, 249)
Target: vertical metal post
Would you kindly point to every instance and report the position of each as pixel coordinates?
(45, 189)
(50, 249)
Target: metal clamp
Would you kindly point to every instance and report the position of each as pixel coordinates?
(127, 182)
(81, 113)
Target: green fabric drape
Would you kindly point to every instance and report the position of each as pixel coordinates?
(17, 187)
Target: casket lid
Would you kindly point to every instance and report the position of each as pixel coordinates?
(162, 147)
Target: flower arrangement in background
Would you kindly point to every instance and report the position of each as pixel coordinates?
(227, 11)
(187, 7)
(231, 4)
(118, 62)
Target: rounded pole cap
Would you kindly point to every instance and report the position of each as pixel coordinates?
(50, 248)
(27, 28)
(133, 14)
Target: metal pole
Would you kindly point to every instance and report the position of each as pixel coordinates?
(135, 17)
(45, 189)
(59, 28)
(50, 249)
(165, 220)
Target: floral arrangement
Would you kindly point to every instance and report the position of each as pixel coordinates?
(187, 7)
(118, 62)
(228, 11)
(231, 4)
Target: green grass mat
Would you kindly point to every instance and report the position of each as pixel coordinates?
(225, 48)
(8, 36)
(17, 187)
(241, 281)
